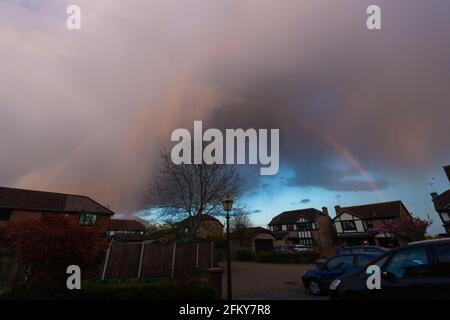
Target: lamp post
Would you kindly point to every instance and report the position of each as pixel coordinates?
(227, 205)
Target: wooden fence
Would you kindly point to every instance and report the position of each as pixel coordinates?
(131, 260)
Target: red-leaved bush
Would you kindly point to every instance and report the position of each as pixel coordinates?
(46, 247)
(408, 227)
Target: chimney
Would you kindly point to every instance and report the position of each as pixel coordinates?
(447, 172)
(325, 211)
(434, 195)
(337, 209)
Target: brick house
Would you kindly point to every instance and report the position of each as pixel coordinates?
(360, 225)
(18, 204)
(207, 226)
(442, 205)
(309, 227)
(123, 226)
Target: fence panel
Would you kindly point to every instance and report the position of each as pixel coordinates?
(159, 260)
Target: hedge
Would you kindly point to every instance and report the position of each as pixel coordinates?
(276, 257)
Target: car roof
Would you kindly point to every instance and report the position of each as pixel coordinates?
(356, 247)
(367, 254)
(429, 242)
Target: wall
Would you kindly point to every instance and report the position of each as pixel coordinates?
(210, 228)
(21, 215)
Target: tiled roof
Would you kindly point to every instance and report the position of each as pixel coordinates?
(442, 201)
(21, 199)
(125, 225)
(280, 235)
(254, 231)
(289, 217)
(201, 217)
(376, 210)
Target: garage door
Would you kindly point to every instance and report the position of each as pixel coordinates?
(263, 245)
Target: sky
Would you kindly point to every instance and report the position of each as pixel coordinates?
(363, 115)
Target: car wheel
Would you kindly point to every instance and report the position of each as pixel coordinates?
(314, 288)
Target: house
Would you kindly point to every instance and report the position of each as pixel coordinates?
(309, 227)
(255, 239)
(359, 225)
(442, 204)
(207, 226)
(19, 204)
(123, 226)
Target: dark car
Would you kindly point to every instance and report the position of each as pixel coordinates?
(373, 249)
(420, 270)
(318, 280)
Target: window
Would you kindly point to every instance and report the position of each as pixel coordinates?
(5, 214)
(445, 216)
(409, 263)
(369, 224)
(87, 219)
(443, 253)
(348, 225)
(290, 227)
(304, 226)
(340, 263)
(362, 261)
(276, 227)
(387, 221)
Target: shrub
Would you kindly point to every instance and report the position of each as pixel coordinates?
(203, 290)
(296, 257)
(244, 255)
(46, 247)
(159, 289)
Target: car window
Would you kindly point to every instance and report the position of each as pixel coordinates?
(340, 263)
(443, 254)
(409, 263)
(362, 261)
(358, 250)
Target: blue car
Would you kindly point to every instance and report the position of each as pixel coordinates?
(317, 281)
(372, 249)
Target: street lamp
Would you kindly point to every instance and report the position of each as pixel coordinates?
(227, 206)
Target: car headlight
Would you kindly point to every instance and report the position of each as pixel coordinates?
(335, 284)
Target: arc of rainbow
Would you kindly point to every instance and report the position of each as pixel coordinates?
(342, 150)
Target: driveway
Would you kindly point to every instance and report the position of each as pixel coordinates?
(268, 281)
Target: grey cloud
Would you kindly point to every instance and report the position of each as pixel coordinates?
(87, 112)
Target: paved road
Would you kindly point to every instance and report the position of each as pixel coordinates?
(267, 281)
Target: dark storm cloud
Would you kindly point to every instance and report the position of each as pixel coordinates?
(87, 112)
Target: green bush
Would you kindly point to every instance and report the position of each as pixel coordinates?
(244, 255)
(164, 289)
(203, 290)
(296, 257)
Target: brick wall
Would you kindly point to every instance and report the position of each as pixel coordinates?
(21, 215)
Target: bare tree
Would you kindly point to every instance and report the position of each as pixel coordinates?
(190, 190)
(240, 222)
